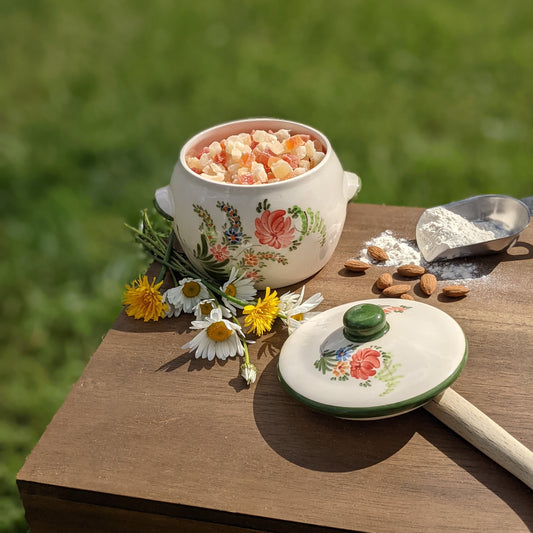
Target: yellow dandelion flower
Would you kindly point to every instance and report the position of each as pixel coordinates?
(260, 317)
(143, 300)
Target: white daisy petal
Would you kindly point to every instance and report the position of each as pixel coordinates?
(293, 310)
(240, 287)
(224, 344)
(186, 296)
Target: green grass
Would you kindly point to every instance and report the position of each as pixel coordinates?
(427, 101)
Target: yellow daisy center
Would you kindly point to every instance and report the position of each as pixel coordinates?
(231, 290)
(206, 308)
(191, 289)
(218, 331)
(299, 317)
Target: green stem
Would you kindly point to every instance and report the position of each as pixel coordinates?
(155, 245)
(174, 265)
(166, 258)
(244, 345)
(246, 353)
(220, 292)
(173, 278)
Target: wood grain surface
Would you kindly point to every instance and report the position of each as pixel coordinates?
(151, 439)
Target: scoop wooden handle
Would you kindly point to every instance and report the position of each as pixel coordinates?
(481, 431)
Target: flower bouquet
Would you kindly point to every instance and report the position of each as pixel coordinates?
(214, 304)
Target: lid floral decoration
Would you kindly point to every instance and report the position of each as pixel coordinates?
(215, 305)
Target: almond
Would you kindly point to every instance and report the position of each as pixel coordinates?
(428, 284)
(455, 291)
(356, 266)
(406, 297)
(384, 281)
(411, 271)
(377, 253)
(396, 290)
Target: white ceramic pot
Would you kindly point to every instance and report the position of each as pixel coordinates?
(277, 233)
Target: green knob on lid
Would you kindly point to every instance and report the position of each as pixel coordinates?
(364, 322)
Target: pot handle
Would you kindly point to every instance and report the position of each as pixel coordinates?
(351, 185)
(481, 431)
(163, 202)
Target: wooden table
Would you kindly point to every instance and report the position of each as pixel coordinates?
(150, 439)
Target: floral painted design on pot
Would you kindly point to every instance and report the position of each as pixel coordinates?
(276, 233)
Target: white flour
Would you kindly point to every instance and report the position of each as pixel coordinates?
(402, 252)
(445, 229)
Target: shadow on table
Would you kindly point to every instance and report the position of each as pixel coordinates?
(323, 443)
(507, 487)
(129, 324)
(319, 442)
(518, 252)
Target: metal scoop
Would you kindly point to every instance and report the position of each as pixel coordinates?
(506, 213)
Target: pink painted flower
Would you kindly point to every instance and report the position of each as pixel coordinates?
(219, 252)
(364, 363)
(274, 229)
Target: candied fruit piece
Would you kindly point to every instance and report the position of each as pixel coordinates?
(257, 157)
(246, 160)
(221, 158)
(204, 150)
(281, 169)
(260, 136)
(293, 142)
(259, 173)
(263, 156)
(277, 147)
(246, 179)
(293, 160)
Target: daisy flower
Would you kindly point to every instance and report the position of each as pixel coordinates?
(143, 300)
(217, 338)
(293, 310)
(239, 287)
(260, 317)
(204, 308)
(185, 297)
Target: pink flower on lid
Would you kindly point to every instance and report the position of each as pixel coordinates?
(364, 363)
(274, 229)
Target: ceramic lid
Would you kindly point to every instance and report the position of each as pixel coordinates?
(373, 358)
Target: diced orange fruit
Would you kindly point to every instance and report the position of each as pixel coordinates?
(246, 160)
(296, 140)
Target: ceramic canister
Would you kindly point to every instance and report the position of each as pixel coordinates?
(276, 233)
